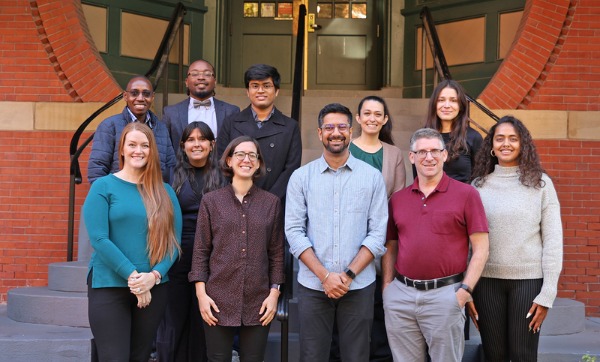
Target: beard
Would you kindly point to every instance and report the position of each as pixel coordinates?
(202, 94)
(337, 149)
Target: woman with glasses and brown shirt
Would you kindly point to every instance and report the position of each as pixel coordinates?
(238, 257)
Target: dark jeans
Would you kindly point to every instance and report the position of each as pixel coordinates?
(354, 314)
(502, 305)
(380, 348)
(253, 342)
(122, 331)
(181, 334)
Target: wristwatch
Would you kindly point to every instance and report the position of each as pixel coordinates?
(275, 286)
(350, 273)
(467, 288)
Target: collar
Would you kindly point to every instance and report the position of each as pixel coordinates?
(324, 166)
(134, 118)
(251, 192)
(256, 115)
(191, 103)
(442, 186)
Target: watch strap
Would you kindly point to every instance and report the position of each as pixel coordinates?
(467, 288)
(350, 273)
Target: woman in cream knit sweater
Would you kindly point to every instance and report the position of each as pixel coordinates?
(519, 282)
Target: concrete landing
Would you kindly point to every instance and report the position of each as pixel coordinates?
(40, 305)
(68, 276)
(24, 342)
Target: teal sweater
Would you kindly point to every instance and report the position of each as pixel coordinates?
(116, 221)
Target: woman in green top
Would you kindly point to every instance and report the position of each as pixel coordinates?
(134, 223)
(376, 147)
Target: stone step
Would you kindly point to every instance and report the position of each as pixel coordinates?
(24, 342)
(68, 276)
(39, 305)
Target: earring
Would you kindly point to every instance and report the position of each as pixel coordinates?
(492, 153)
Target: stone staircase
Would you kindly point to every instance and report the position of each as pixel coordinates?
(51, 323)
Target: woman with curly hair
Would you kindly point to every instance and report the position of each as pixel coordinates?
(447, 113)
(519, 282)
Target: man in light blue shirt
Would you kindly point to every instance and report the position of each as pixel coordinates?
(335, 223)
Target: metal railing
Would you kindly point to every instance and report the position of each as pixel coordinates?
(283, 304)
(429, 35)
(160, 62)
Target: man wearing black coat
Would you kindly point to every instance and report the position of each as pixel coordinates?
(278, 135)
(201, 106)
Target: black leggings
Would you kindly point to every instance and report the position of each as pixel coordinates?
(122, 331)
(253, 342)
(502, 305)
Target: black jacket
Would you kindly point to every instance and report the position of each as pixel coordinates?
(104, 158)
(280, 142)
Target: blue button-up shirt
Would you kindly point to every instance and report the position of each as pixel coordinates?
(336, 212)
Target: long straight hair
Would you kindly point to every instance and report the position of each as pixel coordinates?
(184, 171)
(458, 133)
(385, 134)
(161, 240)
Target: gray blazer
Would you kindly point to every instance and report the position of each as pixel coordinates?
(176, 118)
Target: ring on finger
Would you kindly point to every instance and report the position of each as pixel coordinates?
(138, 290)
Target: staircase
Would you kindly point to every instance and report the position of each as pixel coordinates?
(50, 324)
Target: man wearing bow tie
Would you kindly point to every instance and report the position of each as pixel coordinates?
(200, 107)
(278, 135)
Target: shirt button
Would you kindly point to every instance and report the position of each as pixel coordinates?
(272, 145)
(243, 249)
(335, 210)
(335, 263)
(243, 215)
(424, 204)
(336, 245)
(268, 169)
(422, 198)
(245, 202)
(243, 232)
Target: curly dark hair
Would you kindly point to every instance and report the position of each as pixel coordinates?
(530, 168)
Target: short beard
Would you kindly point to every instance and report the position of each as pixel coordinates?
(202, 94)
(337, 150)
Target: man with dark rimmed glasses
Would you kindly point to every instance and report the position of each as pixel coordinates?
(104, 157)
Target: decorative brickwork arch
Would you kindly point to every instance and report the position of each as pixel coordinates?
(66, 39)
(539, 40)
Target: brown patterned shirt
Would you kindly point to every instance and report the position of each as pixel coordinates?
(238, 252)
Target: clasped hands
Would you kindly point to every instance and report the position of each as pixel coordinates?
(140, 285)
(336, 285)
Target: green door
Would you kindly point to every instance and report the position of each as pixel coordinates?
(261, 32)
(343, 49)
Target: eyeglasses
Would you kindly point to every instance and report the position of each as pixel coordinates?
(205, 74)
(241, 155)
(423, 153)
(136, 93)
(266, 87)
(343, 127)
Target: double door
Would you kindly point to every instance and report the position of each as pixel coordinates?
(342, 49)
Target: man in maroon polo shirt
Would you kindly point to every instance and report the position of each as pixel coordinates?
(426, 281)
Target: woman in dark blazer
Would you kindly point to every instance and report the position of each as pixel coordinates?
(181, 335)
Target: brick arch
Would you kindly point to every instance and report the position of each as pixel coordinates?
(539, 40)
(66, 38)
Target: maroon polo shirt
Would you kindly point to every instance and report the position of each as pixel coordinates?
(433, 232)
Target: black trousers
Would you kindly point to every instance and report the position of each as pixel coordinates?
(354, 314)
(180, 335)
(502, 305)
(253, 342)
(122, 331)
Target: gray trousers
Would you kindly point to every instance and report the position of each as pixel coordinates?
(354, 312)
(414, 317)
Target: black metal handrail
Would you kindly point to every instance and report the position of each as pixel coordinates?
(287, 289)
(440, 61)
(160, 62)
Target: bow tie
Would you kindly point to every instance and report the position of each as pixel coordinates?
(205, 103)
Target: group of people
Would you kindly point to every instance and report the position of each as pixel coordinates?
(385, 270)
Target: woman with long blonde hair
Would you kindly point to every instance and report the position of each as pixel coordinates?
(134, 223)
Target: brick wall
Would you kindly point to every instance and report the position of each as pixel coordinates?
(575, 170)
(34, 196)
(554, 62)
(46, 54)
(574, 83)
